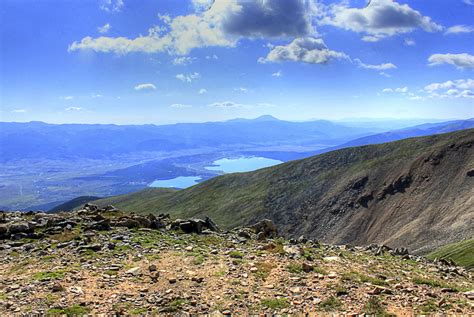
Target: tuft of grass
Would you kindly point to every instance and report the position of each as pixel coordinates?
(362, 278)
(49, 275)
(330, 304)
(264, 269)
(295, 268)
(374, 307)
(275, 303)
(139, 311)
(75, 310)
(174, 306)
(429, 307)
(236, 254)
(198, 260)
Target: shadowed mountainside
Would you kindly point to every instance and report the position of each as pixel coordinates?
(416, 193)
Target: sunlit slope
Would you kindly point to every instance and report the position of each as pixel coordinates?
(416, 193)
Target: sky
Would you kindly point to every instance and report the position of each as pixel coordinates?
(167, 61)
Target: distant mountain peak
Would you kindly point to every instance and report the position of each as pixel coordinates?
(263, 118)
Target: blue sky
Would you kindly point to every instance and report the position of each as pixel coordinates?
(164, 61)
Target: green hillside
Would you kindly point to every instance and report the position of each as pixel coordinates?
(462, 253)
(352, 195)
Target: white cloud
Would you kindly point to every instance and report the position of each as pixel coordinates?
(179, 105)
(456, 29)
(223, 24)
(183, 61)
(385, 74)
(461, 88)
(277, 74)
(461, 84)
(202, 91)
(469, 2)
(214, 56)
(402, 90)
(409, 42)
(188, 77)
(379, 67)
(306, 50)
(140, 87)
(461, 61)
(104, 29)
(202, 4)
(19, 111)
(111, 5)
(225, 105)
(75, 109)
(380, 19)
(67, 97)
(242, 90)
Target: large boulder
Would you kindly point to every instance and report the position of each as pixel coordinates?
(194, 225)
(20, 227)
(265, 229)
(3, 231)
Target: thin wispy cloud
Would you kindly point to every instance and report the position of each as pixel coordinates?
(188, 77)
(461, 61)
(104, 29)
(144, 87)
(459, 29)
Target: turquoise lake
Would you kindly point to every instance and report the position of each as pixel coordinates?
(178, 182)
(226, 165)
(242, 164)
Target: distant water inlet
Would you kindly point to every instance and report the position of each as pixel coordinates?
(177, 182)
(226, 165)
(242, 164)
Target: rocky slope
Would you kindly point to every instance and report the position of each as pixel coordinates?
(416, 193)
(102, 261)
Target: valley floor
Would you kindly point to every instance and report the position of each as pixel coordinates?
(144, 271)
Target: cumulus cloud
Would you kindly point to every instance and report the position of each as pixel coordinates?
(223, 24)
(461, 88)
(188, 77)
(307, 50)
(277, 74)
(461, 61)
(382, 18)
(104, 29)
(202, 91)
(269, 18)
(140, 87)
(379, 67)
(75, 109)
(179, 105)
(111, 5)
(457, 29)
(183, 61)
(461, 84)
(214, 56)
(19, 110)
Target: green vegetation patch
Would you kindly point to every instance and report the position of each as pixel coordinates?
(275, 303)
(75, 310)
(330, 304)
(462, 253)
(49, 275)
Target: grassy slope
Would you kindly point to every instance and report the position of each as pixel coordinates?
(232, 197)
(462, 253)
(298, 195)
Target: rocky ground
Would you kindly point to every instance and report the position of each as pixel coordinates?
(101, 261)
